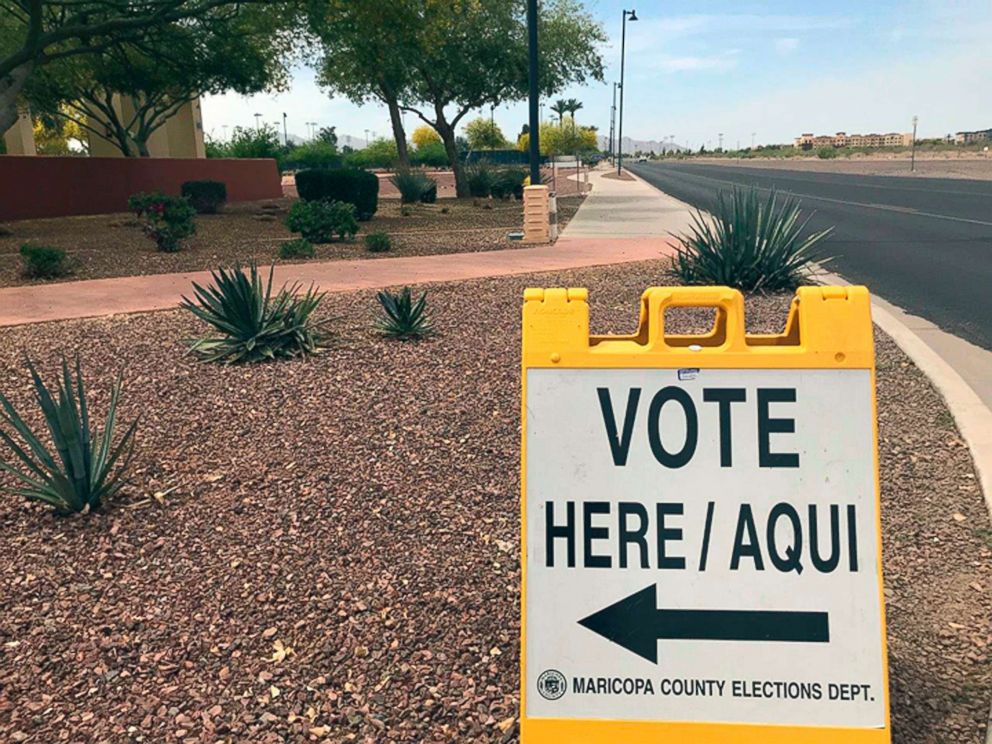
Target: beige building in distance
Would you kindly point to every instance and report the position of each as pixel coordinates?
(809, 141)
(180, 137)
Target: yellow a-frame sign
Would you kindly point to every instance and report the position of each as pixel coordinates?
(701, 538)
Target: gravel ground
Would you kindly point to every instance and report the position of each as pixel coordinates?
(113, 245)
(326, 550)
(971, 167)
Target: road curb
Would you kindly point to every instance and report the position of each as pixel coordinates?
(972, 416)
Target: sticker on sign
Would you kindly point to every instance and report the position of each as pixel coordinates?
(701, 548)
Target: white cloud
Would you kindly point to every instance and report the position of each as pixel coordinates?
(786, 45)
(717, 63)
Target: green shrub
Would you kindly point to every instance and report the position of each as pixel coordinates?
(415, 186)
(42, 262)
(87, 467)
(381, 153)
(249, 142)
(509, 182)
(378, 242)
(254, 325)
(167, 220)
(432, 155)
(297, 248)
(316, 154)
(748, 243)
(480, 177)
(322, 221)
(207, 197)
(402, 317)
(826, 153)
(357, 187)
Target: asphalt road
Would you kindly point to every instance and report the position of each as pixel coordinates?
(924, 244)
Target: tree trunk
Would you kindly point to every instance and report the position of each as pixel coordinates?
(399, 134)
(447, 133)
(10, 87)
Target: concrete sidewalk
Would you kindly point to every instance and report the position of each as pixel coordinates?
(627, 209)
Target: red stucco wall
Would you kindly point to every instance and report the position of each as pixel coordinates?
(38, 186)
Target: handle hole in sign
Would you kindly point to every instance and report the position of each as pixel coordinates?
(692, 326)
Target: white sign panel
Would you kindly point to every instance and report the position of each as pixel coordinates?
(701, 547)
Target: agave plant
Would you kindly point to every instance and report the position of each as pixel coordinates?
(403, 317)
(86, 468)
(748, 243)
(254, 324)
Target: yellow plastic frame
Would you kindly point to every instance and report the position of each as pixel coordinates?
(827, 328)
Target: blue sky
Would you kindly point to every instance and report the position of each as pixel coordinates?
(774, 69)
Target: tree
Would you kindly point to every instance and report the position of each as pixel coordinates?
(54, 136)
(364, 53)
(484, 134)
(560, 107)
(424, 136)
(440, 60)
(160, 74)
(572, 105)
(563, 138)
(328, 135)
(35, 33)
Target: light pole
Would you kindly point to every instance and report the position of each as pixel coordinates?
(535, 106)
(623, 53)
(257, 119)
(613, 120)
(912, 156)
(285, 131)
(224, 127)
(720, 146)
(366, 137)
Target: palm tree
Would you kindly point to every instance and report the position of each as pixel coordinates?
(560, 107)
(573, 105)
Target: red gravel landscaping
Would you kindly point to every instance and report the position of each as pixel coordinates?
(327, 550)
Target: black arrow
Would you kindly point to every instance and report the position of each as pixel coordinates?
(637, 624)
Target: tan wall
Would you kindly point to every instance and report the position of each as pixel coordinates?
(180, 137)
(19, 139)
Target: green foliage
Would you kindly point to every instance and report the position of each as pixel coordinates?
(415, 186)
(42, 262)
(87, 467)
(322, 221)
(354, 186)
(484, 134)
(254, 324)
(297, 248)
(403, 317)
(316, 154)
(826, 153)
(748, 243)
(207, 197)
(381, 153)
(249, 142)
(168, 220)
(509, 182)
(378, 242)
(432, 155)
(480, 177)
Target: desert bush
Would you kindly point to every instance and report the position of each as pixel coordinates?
(168, 220)
(322, 221)
(403, 317)
(378, 242)
(432, 155)
(207, 197)
(406, 211)
(86, 467)
(480, 177)
(748, 243)
(826, 153)
(254, 324)
(43, 262)
(509, 182)
(357, 187)
(316, 154)
(415, 186)
(297, 248)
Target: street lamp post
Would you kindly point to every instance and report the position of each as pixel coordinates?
(613, 120)
(623, 53)
(285, 131)
(534, 94)
(912, 156)
(257, 119)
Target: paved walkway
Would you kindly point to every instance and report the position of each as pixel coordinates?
(598, 239)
